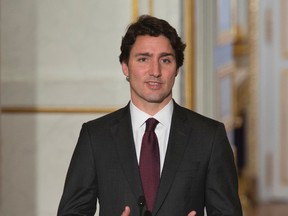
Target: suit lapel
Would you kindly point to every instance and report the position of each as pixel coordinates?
(123, 137)
(176, 147)
(124, 144)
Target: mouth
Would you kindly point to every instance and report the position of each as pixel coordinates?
(154, 85)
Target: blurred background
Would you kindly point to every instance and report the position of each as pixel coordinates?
(59, 68)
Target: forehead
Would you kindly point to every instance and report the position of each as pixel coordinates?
(153, 44)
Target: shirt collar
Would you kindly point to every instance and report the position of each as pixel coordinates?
(139, 117)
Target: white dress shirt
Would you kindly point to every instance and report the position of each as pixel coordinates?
(162, 130)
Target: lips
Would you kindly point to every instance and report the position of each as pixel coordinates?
(154, 85)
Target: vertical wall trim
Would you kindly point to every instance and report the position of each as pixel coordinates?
(252, 133)
(189, 65)
(151, 7)
(135, 10)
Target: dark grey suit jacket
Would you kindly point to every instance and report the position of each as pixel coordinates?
(198, 170)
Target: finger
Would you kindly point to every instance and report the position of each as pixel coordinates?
(192, 213)
(126, 211)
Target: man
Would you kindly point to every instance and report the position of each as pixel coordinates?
(192, 162)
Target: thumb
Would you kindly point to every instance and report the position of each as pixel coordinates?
(192, 213)
(126, 211)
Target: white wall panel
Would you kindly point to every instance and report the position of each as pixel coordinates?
(273, 145)
(36, 151)
(70, 47)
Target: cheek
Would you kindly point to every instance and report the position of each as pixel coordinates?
(171, 79)
(138, 73)
(135, 78)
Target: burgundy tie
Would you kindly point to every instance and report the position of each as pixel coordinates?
(150, 163)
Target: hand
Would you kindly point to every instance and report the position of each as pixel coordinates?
(192, 213)
(126, 211)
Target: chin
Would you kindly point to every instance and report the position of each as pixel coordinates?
(156, 99)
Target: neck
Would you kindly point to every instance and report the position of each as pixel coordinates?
(151, 108)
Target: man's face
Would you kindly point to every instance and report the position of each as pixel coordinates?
(152, 70)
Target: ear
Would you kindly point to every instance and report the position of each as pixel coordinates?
(125, 69)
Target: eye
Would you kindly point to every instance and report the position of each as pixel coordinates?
(166, 60)
(142, 59)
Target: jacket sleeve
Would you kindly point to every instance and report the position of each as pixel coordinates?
(80, 190)
(222, 181)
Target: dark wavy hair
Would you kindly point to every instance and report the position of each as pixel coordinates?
(149, 25)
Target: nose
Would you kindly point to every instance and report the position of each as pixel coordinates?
(155, 69)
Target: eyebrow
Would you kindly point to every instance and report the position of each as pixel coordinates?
(143, 54)
(167, 54)
(164, 54)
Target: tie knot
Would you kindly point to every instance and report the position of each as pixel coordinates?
(151, 124)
